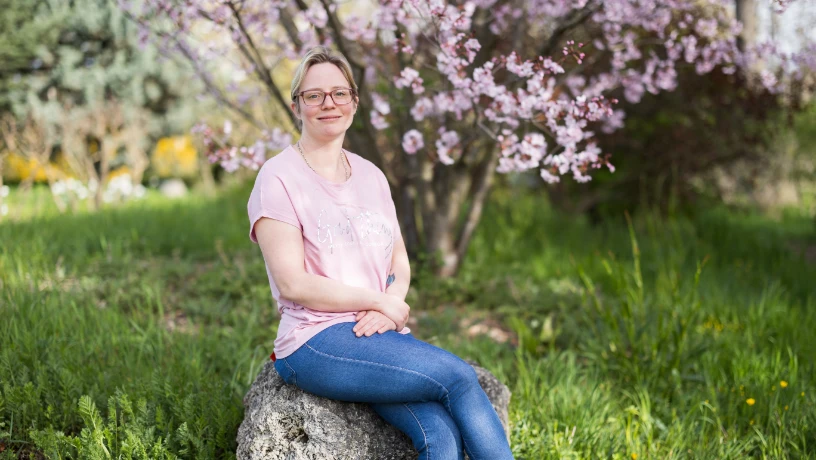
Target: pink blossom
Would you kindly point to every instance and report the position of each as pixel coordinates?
(410, 77)
(422, 108)
(412, 141)
(378, 121)
(381, 105)
(447, 144)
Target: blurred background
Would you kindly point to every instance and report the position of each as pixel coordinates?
(93, 114)
(665, 310)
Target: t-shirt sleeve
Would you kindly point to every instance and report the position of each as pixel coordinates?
(269, 198)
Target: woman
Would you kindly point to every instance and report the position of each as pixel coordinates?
(328, 230)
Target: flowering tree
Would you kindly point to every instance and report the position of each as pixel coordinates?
(453, 91)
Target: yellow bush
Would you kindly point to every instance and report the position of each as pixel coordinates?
(19, 168)
(120, 171)
(175, 157)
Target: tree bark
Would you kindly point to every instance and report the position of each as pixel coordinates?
(746, 12)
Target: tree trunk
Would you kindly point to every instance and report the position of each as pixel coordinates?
(449, 201)
(746, 12)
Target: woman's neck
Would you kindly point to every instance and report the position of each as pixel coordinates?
(322, 155)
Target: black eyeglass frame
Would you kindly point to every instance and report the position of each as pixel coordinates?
(300, 94)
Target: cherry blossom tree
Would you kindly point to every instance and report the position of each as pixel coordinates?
(454, 91)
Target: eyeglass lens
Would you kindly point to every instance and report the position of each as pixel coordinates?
(340, 97)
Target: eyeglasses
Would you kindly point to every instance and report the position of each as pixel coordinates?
(341, 96)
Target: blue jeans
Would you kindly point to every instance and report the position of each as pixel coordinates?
(426, 392)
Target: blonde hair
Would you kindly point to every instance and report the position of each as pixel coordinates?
(320, 55)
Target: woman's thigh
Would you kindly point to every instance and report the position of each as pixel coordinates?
(384, 368)
(432, 430)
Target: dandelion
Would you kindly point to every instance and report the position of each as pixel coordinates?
(750, 401)
(783, 384)
(802, 394)
(751, 422)
(634, 456)
(786, 407)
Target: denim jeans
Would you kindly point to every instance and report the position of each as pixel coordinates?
(426, 392)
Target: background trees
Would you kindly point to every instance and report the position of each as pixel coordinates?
(454, 91)
(78, 71)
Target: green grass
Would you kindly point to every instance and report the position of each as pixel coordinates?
(135, 332)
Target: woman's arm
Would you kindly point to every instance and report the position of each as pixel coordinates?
(401, 269)
(282, 248)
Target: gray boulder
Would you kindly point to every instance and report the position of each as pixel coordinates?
(282, 422)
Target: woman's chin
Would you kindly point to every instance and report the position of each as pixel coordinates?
(332, 129)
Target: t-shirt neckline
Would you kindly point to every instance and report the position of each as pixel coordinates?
(321, 179)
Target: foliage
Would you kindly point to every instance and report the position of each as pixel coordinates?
(138, 330)
(673, 141)
(91, 91)
(21, 40)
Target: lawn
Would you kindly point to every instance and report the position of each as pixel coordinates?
(135, 332)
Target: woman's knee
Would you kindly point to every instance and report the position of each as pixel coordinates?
(460, 373)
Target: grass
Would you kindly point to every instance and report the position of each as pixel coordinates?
(135, 332)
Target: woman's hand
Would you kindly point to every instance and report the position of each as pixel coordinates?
(395, 309)
(371, 321)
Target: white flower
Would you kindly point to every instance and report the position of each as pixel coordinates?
(4, 191)
(139, 191)
(3, 209)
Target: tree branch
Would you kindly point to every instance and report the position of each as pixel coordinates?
(260, 67)
(577, 17)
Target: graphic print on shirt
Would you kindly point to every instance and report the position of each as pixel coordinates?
(342, 225)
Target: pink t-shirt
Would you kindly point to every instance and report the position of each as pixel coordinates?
(348, 231)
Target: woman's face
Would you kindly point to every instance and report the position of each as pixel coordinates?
(327, 120)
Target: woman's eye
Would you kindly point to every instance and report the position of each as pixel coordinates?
(312, 96)
(340, 93)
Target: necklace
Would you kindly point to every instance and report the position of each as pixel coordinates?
(342, 157)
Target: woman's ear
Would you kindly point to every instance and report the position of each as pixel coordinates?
(295, 109)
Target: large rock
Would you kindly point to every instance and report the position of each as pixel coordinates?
(282, 422)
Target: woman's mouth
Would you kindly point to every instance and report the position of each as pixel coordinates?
(329, 118)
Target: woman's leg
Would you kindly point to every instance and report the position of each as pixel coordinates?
(432, 430)
(394, 368)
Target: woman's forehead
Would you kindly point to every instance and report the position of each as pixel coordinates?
(324, 76)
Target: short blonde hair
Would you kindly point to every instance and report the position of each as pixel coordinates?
(320, 55)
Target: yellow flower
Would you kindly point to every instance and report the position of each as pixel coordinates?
(803, 394)
(786, 407)
(783, 384)
(634, 456)
(751, 422)
(750, 401)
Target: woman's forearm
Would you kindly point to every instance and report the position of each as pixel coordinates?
(401, 269)
(325, 294)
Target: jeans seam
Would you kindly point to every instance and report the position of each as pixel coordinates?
(447, 392)
(424, 435)
(294, 374)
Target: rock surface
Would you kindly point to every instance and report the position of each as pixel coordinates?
(282, 422)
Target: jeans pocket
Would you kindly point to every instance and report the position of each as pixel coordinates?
(285, 371)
